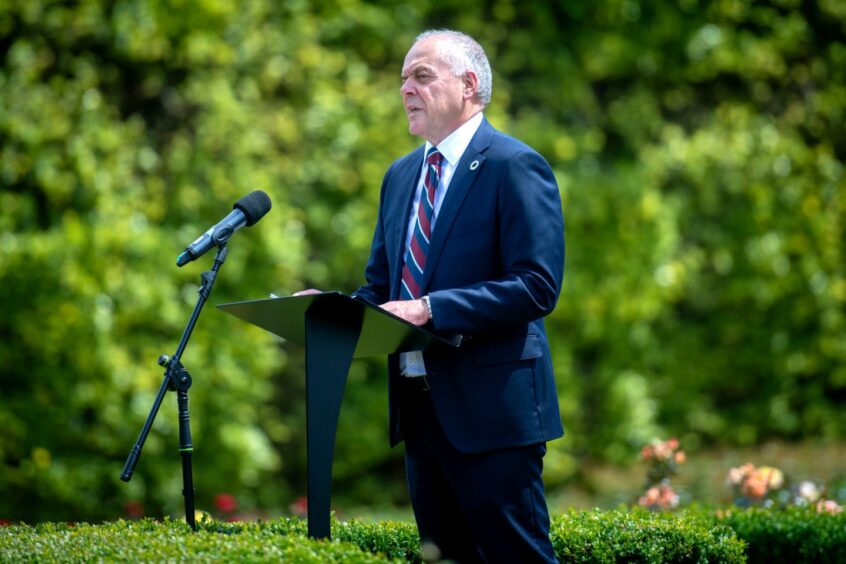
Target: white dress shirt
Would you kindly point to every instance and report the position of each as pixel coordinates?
(452, 148)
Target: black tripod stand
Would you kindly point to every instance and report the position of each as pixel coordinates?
(177, 379)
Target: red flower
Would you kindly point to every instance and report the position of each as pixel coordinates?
(300, 506)
(5, 523)
(225, 503)
(134, 509)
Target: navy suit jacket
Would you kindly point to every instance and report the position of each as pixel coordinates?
(494, 269)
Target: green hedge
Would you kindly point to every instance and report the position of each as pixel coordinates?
(148, 541)
(792, 535)
(697, 535)
(640, 536)
(635, 536)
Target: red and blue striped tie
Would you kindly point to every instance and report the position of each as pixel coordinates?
(415, 256)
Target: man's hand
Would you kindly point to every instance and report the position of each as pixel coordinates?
(308, 292)
(413, 311)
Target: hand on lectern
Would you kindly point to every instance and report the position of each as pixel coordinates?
(308, 292)
(413, 311)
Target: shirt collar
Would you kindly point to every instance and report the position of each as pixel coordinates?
(456, 142)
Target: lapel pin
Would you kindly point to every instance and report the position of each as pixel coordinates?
(474, 165)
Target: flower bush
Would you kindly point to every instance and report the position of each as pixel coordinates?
(659, 497)
(755, 485)
(765, 486)
(752, 486)
(664, 458)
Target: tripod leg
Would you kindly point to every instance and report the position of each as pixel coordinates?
(186, 449)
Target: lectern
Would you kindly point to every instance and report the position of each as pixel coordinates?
(334, 328)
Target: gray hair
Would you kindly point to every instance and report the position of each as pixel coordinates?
(462, 53)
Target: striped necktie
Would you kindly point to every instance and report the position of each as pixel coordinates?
(415, 256)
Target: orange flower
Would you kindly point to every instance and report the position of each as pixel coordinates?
(754, 486)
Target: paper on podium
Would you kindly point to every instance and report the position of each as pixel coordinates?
(380, 332)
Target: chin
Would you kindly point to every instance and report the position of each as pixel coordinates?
(416, 130)
(416, 126)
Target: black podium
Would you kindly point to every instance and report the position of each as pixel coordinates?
(334, 328)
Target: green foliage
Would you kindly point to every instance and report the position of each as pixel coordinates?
(791, 535)
(641, 536)
(696, 535)
(146, 541)
(591, 536)
(700, 153)
(395, 539)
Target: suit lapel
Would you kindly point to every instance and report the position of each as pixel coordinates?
(468, 169)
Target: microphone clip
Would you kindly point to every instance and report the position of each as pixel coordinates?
(178, 378)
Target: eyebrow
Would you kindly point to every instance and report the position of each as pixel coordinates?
(426, 67)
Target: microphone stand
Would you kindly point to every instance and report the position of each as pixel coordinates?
(176, 378)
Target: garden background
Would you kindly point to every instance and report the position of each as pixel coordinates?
(699, 148)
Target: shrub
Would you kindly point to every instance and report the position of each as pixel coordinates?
(696, 535)
(394, 539)
(794, 535)
(146, 540)
(641, 536)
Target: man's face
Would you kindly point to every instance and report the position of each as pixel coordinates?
(432, 96)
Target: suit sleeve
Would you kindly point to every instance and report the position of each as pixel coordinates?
(531, 248)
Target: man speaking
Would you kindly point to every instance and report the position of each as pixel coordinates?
(470, 241)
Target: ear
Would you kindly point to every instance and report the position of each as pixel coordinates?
(470, 82)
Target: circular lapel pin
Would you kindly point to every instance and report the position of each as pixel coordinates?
(474, 165)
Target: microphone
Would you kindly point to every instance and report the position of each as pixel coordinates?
(246, 211)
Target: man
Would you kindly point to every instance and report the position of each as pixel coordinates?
(470, 241)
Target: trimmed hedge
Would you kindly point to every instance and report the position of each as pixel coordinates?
(637, 535)
(592, 536)
(173, 541)
(697, 535)
(795, 535)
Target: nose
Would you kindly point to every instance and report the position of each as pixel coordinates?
(407, 88)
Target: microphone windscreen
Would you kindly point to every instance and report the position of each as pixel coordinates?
(253, 206)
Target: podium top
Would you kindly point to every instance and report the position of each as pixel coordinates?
(380, 332)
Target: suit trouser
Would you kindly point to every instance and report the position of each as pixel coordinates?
(479, 507)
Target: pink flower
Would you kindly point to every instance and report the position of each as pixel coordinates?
(225, 503)
(828, 506)
(661, 496)
(662, 451)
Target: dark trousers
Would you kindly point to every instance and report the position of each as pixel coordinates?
(485, 507)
